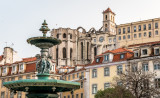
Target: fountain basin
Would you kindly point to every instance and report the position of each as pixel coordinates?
(41, 85)
(43, 42)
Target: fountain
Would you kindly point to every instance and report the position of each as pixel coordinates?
(43, 87)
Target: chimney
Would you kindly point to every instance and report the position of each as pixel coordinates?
(8, 55)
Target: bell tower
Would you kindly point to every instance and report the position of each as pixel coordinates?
(109, 22)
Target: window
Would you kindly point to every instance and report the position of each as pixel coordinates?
(134, 28)
(95, 51)
(21, 66)
(77, 75)
(119, 83)
(70, 36)
(72, 95)
(28, 77)
(149, 26)
(94, 88)
(19, 95)
(110, 40)
(106, 71)
(71, 53)
(11, 94)
(77, 96)
(144, 27)
(144, 52)
(135, 35)
(149, 34)
(145, 67)
(14, 68)
(121, 56)
(81, 84)
(64, 52)
(156, 25)
(4, 69)
(106, 57)
(82, 74)
(57, 35)
(94, 40)
(119, 31)
(134, 68)
(156, 66)
(68, 96)
(139, 27)
(114, 39)
(106, 17)
(119, 38)
(128, 29)
(73, 76)
(94, 73)
(129, 36)
(136, 54)
(97, 60)
(156, 32)
(81, 50)
(68, 77)
(157, 83)
(123, 30)
(156, 51)
(13, 79)
(106, 85)
(64, 35)
(81, 95)
(145, 34)
(119, 69)
(124, 37)
(20, 78)
(140, 35)
(64, 77)
(2, 94)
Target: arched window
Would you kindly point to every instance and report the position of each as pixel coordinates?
(106, 17)
(95, 51)
(56, 53)
(87, 50)
(64, 53)
(64, 35)
(71, 53)
(81, 50)
(70, 36)
(57, 35)
(57, 56)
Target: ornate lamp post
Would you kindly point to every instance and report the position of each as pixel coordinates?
(43, 87)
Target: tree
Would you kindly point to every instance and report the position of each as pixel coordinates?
(116, 92)
(139, 82)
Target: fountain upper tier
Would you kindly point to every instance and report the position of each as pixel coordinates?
(43, 41)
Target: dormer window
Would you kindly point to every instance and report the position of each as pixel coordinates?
(106, 57)
(4, 70)
(156, 51)
(97, 60)
(136, 54)
(121, 56)
(144, 52)
(21, 67)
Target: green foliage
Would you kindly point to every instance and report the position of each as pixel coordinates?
(117, 92)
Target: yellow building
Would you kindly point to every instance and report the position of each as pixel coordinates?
(105, 67)
(76, 74)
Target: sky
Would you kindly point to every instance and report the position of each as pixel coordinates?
(21, 19)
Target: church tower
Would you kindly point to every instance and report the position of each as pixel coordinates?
(109, 22)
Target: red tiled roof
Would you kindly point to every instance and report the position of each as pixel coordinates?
(117, 52)
(142, 44)
(29, 59)
(73, 71)
(108, 10)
